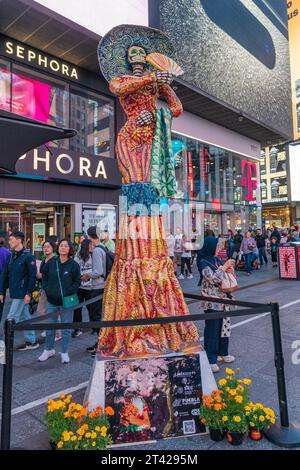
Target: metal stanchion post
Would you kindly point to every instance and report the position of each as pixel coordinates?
(7, 384)
(283, 433)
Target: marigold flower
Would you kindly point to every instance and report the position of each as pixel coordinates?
(60, 444)
(73, 438)
(109, 411)
(252, 424)
(229, 371)
(203, 420)
(232, 391)
(237, 419)
(218, 399)
(222, 382)
(93, 435)
(225, 418)
(262, 419)
(247, 381)
(88, 435)
(239, 399)
(62, 396)
(218, 407)
(93, 444)
(97, 428)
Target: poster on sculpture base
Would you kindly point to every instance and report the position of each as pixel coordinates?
(153, 398)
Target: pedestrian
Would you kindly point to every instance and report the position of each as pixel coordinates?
(261, 245)
(212, 274)
(19, 276)
(170, 242)
(196, 241)
(61, 280)
(275, 233)
(84, 259)
(249, 250)
(97, 275)
(230, 244)
(237, 239)
(107, 241)
(274, 246)
(186, 257)
(177, 249)
(4, 254)
(49, 251)
(284, 237)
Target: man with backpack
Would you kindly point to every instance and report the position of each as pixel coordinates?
(19, 275)
(102, 260)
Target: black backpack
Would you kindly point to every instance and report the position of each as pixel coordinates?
(109, 260)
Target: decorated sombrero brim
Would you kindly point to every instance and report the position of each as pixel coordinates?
(113, 47)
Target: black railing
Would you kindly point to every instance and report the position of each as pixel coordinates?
(284, 434)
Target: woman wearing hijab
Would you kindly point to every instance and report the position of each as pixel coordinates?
(212, 273)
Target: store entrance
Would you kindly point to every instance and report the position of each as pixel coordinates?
(37, 221)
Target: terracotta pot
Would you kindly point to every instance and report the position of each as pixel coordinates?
(216, 435)
(256, 435)
(53, 445)
(235, 438)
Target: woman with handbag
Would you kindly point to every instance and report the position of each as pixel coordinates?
(61, 280)
(216, 280)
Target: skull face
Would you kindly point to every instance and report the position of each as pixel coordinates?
(136, 55)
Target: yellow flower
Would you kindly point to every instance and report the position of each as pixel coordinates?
(247, 413)
(273, 421)
(79, 407)
(93, 435)
(93, 444)
(262, 419)
(229, 377)
(225, 418)
(239, 399)
(97, 428)
(229, 371)
(247, 381)
(60, 444)
(237, 419)
(62, 396)
(255, 416)
(67, 414)
(240, 388)
(103, 431)
(88, 435)
(252, 424)
(222, 382)
(232, 391)
(66, 437)
(73, 438)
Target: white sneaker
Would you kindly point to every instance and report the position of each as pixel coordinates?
(46, 355)
(215, 368)
(226, 359)
(43, 334)
(190, 276)
(65, 359)
(181, 276)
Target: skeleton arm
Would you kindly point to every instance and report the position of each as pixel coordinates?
(172, 99)
(126, 85)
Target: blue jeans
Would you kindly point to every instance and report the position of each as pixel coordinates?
(214, 344)
(66, 316)
(19, 312)
(262, 256)
(250, 257)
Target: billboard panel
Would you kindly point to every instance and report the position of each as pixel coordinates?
(294, 39)
(236, 51)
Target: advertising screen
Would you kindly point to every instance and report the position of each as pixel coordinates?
(235, 51)
(294, 38)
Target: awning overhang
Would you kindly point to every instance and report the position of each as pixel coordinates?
(18, 135)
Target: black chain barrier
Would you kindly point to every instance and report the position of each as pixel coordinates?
(283, 434)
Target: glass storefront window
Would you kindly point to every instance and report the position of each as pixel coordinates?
(36, 97)
(93, 118)
(5, 81)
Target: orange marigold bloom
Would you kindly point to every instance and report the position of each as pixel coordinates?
(203, 420)
(218, 407)
(109, 411)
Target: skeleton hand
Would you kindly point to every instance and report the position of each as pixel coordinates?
(145, 118)
(164, 77)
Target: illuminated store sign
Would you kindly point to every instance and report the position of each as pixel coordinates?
(249, 181)
(67, 165)
(33, 57)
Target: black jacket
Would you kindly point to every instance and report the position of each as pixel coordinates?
(260, 241)
(19, 274)
(69, 275)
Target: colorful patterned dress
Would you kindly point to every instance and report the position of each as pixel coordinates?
(142, 283)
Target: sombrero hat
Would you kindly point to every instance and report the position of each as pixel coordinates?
(113, 47)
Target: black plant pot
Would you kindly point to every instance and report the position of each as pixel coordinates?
(216, 435)
(235, 438)
(53, 445)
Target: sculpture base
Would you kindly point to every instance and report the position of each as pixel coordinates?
(154, 397)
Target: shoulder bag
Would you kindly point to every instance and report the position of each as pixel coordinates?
(70, 301)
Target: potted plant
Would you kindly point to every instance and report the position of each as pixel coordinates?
(237, 427)
(75, 427)
(212, 412)
(235, 391)
(258, 417)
